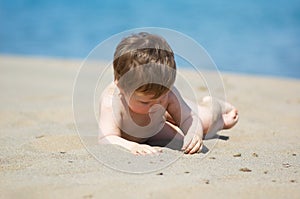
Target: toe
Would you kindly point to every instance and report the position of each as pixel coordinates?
(232, 113)
(230, 119)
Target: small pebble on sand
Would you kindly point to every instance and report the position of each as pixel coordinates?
(245, 169)
(286, 165)
(237, 155)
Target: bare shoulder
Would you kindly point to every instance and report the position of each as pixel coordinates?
(174, 101)
(109, 114)
(107, 96)
(110, 103)
(174, 96)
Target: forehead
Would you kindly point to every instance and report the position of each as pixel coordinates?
(146, 97)
(142, 96)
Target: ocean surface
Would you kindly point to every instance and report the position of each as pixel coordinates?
(252, 37)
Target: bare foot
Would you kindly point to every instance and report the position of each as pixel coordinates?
(229, 112)
(230, 118)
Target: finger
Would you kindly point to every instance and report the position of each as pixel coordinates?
(201, 146)
(158, 149)
(147, 151)
(138, 152)
(195, 148)
(151, 150)
(200, 149)
(192, 144)
(186, 142)
(141, 151)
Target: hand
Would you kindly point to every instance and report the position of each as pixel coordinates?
(143, 149)
(192, 144)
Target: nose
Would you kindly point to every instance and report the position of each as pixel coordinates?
(155, 108)
(158, 102)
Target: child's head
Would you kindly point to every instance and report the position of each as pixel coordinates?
(145, 60)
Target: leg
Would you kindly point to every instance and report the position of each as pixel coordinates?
(170, 136)
(224, 115)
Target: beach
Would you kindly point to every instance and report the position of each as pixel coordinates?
(43, 156)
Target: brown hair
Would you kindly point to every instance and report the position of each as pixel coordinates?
(150, 62)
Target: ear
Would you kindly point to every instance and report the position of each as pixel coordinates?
(116, 82)
(118, 85)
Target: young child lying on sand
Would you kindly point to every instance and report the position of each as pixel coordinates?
(142, 106)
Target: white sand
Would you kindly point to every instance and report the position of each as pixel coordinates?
(41, 154)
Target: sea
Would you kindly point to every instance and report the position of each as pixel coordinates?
(242, 36)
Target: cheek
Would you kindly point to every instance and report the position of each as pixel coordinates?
(138, 107)
(164, 101)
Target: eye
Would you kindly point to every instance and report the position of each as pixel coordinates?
(145, 103)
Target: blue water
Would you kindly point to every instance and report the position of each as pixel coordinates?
(253, 37)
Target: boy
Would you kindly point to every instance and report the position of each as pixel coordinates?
(142, 107)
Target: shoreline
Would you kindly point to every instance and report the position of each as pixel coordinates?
(41, 154)
(80, 61)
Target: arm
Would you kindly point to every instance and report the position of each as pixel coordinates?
(187, 120)
(114, 139)
(133, 147)
(109, 122)
(109, 132)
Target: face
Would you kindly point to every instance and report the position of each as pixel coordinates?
(141, 103)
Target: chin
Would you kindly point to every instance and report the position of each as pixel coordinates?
(138, 111)
(142, 112)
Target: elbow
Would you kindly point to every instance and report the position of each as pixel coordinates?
(106, 139)
(103, 140)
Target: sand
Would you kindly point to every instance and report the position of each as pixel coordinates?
(42, 155)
